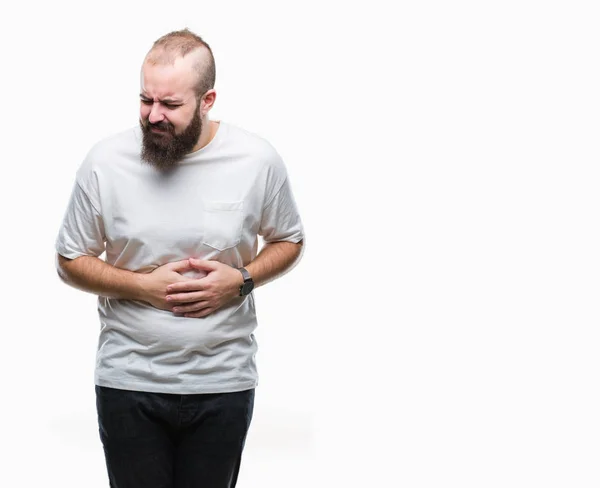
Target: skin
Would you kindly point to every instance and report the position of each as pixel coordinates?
(201, 297)
(167, 95)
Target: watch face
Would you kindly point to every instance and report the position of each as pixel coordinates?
(247, 287)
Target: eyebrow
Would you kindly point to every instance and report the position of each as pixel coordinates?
(164, 100)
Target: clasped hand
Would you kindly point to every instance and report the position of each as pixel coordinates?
(194, 297)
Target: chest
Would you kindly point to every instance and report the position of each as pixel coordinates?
(183, 212)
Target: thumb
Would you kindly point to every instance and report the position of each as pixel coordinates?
(203, 264)
(180, 265)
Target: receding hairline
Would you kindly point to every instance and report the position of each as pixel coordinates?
(181, 44)
(160, 55)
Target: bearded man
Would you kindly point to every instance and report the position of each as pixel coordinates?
(177, 205)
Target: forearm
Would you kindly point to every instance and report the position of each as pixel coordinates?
(92, 275)
(274, 260)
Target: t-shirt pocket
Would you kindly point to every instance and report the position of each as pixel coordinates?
(222, 224)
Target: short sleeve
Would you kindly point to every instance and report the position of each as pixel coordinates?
(82, 229)
(280, 218)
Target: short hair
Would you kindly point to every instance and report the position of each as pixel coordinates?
(179, 43)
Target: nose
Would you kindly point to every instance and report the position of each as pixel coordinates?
(156, 114)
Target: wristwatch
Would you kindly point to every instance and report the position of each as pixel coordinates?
(248, 284)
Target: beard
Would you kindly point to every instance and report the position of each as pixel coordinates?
(165, 149)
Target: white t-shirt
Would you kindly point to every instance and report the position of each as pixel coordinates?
(214, 205)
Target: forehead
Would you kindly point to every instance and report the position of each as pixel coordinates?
(168, 80)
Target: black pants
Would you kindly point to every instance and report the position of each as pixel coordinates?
(159, 440)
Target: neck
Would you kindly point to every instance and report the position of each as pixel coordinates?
(209, 129)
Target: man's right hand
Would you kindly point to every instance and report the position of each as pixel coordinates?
(155, 283)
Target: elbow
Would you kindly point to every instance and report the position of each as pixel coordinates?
(61, 265)
(300, 250)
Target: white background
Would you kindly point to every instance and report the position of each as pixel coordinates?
(442, 328)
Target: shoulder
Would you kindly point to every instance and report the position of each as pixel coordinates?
(257, 147)
(114, 145)
(109, 150)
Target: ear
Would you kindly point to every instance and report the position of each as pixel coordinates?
(207, 102)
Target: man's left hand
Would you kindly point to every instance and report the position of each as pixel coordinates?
(201, 297)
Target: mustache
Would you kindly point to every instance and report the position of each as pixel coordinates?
(159, 125)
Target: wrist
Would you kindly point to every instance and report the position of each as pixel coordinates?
(139, 287)
(239, 279)
(246, 285)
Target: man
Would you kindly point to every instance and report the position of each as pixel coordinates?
(177, 204)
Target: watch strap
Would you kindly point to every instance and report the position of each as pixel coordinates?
(245, 274)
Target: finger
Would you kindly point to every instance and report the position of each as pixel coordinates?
(185, 286)
(193, 307)
(192, 274)
(205, 265)
(180, 265)
(192, 296)
(199, 315)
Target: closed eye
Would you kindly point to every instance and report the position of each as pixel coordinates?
(170, 106)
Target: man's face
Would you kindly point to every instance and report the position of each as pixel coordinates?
(169, 112)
